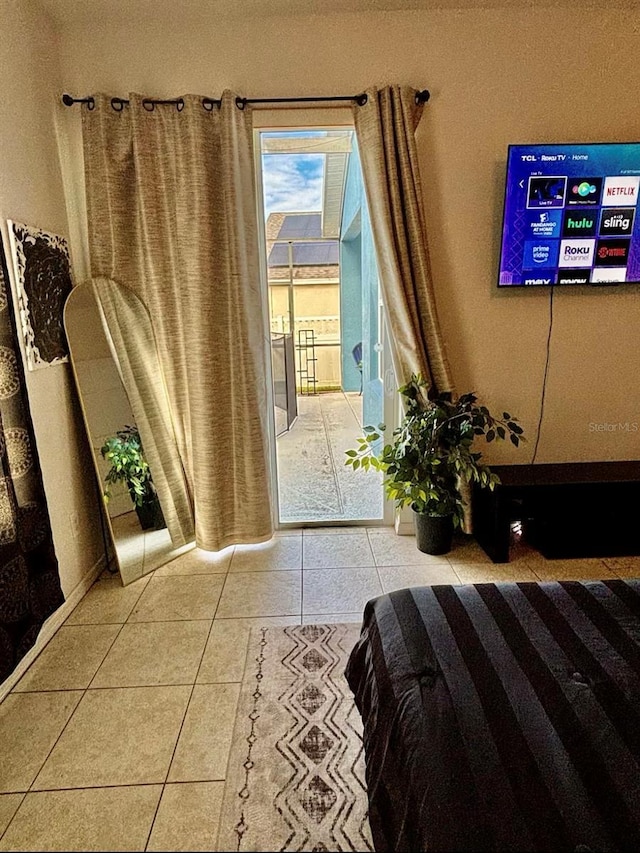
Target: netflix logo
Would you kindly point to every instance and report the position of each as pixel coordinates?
(620, 191)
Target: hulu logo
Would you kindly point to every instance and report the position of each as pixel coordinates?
(581, 223)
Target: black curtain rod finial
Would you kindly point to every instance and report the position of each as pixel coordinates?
(423, 96)
(69, 101)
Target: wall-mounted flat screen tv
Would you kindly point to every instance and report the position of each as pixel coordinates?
(570, 215)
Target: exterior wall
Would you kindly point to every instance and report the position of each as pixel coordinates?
(350, 309)
(372, 408)
(360, 285)
(351, 270)
(317, 307)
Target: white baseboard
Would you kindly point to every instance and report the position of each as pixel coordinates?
(404, 523)
(51, 625)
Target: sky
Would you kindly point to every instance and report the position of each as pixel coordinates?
(292, 181)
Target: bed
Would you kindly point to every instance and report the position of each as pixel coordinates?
(502, 716)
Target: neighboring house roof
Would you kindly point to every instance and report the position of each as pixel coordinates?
(305, 254)
(301, 225)
(317, 259)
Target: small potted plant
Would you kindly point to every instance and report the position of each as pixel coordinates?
(128, 464)
(431, 453)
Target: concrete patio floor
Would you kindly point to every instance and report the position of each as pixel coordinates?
(314, 484)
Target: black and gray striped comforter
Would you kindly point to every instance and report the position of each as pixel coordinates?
(502, 716)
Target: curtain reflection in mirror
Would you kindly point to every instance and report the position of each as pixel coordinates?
(131, 338)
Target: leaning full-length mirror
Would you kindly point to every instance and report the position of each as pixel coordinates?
(134, 452)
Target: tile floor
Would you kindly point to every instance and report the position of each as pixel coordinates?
(117, 737)
(313, 483)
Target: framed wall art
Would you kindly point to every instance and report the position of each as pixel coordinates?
(43, 281)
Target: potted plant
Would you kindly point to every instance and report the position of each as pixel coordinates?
(431, 453)
(128, 464)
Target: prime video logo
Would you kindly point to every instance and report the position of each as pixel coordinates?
(541, 254)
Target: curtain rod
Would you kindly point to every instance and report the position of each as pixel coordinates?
(119, 104)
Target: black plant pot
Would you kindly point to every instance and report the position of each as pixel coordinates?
(150, 515)
(434, 533)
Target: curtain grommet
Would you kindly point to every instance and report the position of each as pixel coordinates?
(148, 105)
(180, 104)
(241, 103)
(117, 104)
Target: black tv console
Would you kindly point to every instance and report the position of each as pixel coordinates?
(567, 509)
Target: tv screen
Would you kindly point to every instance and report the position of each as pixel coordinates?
(570, 215)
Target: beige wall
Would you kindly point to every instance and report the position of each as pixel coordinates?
(497, 76)
(31, 192)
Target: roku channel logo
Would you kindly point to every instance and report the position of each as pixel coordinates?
(576, 253)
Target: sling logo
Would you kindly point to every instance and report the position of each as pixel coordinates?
(612, 253)
(576, 253)
(580, 223)
(617, 222)
(620, 191)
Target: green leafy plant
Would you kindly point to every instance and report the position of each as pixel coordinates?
(128, 464)
(432, 451)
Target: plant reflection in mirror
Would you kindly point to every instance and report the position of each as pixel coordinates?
(125, 453)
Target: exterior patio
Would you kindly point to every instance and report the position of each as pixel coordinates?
(314, 484)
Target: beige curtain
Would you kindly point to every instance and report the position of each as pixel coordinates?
(385, 128)
(172, 216)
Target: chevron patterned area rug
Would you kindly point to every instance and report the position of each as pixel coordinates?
(295, 779)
